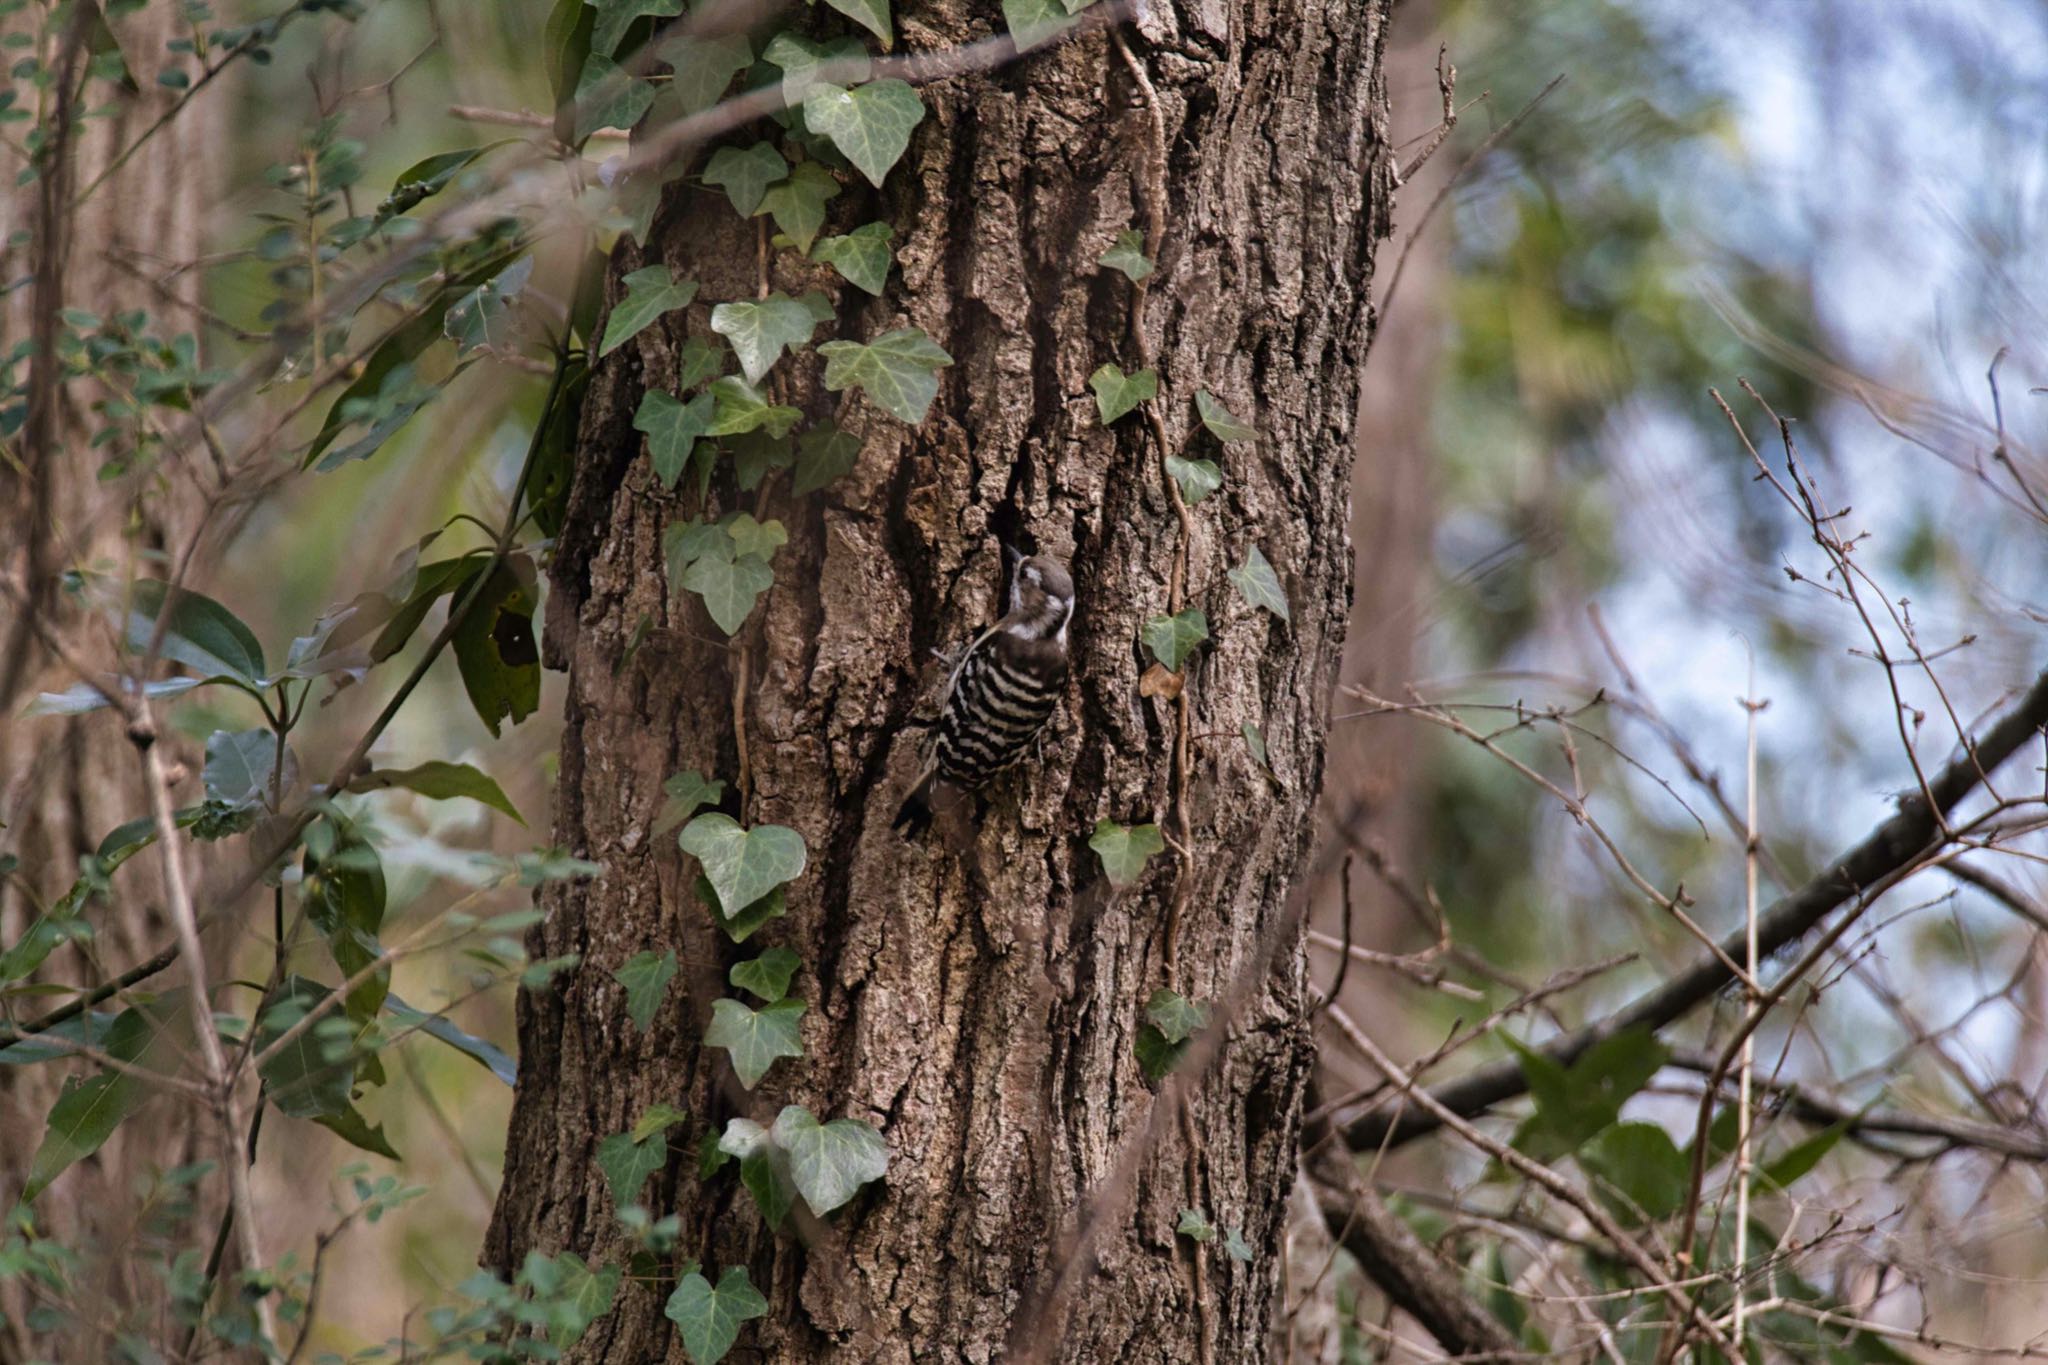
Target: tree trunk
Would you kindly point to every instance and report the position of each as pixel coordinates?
(981, 1007)
(66, 782)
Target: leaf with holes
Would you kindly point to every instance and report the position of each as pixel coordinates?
(1258, 585)
(768, 975)
(761, 329)
(729, 587)
(482, 318)
(650, 292)
(495, 651)
(898, 370)
(1172, 638)
(1117, 393)
(1197, 478)
(798, 204)
(823, 454)
(1217, 418)
(829, 1162)
(645, 976)
(862, 257)
(741, 408)
(672, 428)
(870, 123)
(745, 175)
(1127, 254)
(1176, 1017)
(1125, 849)
(743, 865)
(754, 1039)
(709, 1319)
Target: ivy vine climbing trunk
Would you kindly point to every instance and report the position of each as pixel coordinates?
(980, 1005)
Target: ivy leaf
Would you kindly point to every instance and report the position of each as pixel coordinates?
(823, 453)
(1172, 638)
(871, 124)
(238, 767)
(898, 370)
(741, 408)
(440, 781)
(798, 203)
(1258, 585)
(745, 175)
(750, 537)
(672, 428)
(760, 330)
(1117, 393)
(1255, 740)
(686, 791)
(743, 865)
(703, 66)
(1235, 1246)
(656, 1118)
(729, 586)
(862, 257)
(872, 15)
(683, 543)
(709, 1319)
(698, 361)
(614, 17)
(1217, 418)
(1032, 22)
(1157, 1057)
(1197, 478)
(199, 633)
(606, 97)
(740, 926)
(754, 1039)
(645, 976)
(578, 1297)
(754, 454)
(650, 292)
(1125, 849)
(767, 976)
(626, 1164)
(1127, 254)
(799, 57)
(1195, 1226)
(829, 1162)
(742, 1138)
(1176, 1017)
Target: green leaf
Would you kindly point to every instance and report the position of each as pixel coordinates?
(755, 454)
(1642, 1166)
(577, 1296)
(740, 927)
(1255, 740)
(650, 292)
(1197, 478)
(1156, 1056)
(799, 57)
(1032, 22)
(1117, 393)
(606, 97)
(898, 370)
(755, 1038)
(1258, 585)
(1195, 1226)
(88, 1111)
(645, 976)
(1176, 1017)
(767, 976)
(760, 330)
(80, 698)
(239, 764)
(1574, 1103)
(698, 361)
(656, 1118)
(310, 1076)
(439, 781)
(872, 15)
(1125, 849)
(687, 791)
(798, 204)
(823, 453)
(495, 650)
(862, 257)
(626, 1164)
(1235, 1246)
(565, 45)
(614, 17)
(1796, 1160)
(829, 1162)
(344, 895)
(871, 124)
(1217, 418)
(672, 428)
(1127, 254)
(438, 1026)
(743, 865)
(1172, 638)
(703, 66)
(729, 587)
(683, 543)
(199, 632)
(745, 175)
(482, 318)
(741, 408)
(709, 1319)
(351, 1127)
(750, 537)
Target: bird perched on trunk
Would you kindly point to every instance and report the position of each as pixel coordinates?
(1002, 690)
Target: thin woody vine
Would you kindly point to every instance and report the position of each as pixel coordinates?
(388, 306)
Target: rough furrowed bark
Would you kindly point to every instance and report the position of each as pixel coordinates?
(981, 1006)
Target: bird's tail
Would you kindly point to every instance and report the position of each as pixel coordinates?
(914, 816)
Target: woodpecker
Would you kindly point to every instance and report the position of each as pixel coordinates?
(1002, 690)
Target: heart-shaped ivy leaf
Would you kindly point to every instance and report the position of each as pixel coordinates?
(754, 1039)
(761, 329)
(709, 1319)
(1125, 849)
(898, 370)
(672, 428)
(1258, 584)
(862, 257)
(650, 292)
(871, 124)
(745, 175)
(743, 865)
(1117, 393)
(829, 1161)
(1172, 638)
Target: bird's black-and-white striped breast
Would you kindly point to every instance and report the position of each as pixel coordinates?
(997, 708)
